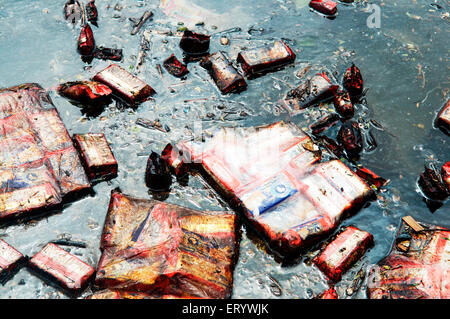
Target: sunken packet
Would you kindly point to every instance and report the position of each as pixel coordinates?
(226, 77)
(96, 155)
(62, 268)
(164, 249)
(124, 84)
(265, 58)
(339, 255)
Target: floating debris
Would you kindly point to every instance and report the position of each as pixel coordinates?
(266, 58)
(175, 67)
(137, 27)
(96, 155)
(63, 268)
(340, 255)
(91, 12)
(86, 92)
(125, 85)
(10, 260)
(226, 77)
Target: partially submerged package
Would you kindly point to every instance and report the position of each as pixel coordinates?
(418, 265)
(265, 58)
(163, 249)
(309, 92)
(268, 173)
(96, 155)
(124, 84)
(339, 255)
(443, 118)
(226, 77)
(9, 260)
(39, 164)
(66, 270)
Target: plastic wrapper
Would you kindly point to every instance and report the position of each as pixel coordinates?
(10, 259)
(86, 41)
(175, 67)
(157, 173)
(443, 119)
(125, 85)
(40, 165)
(343, 105)
(290, 200)
(445, 172)
(309, 92)
(97, 157)
(349, 136)
(370, 177)
(353, 81)
(62, 268)
(226, 77)
(85, 91)
(432, 185)
(92, 12)
(194, 43)
(266, 58)
(328, 294)
(418, 266)
(103, 53)
(163, 249)
(340, 255)
(326, 7)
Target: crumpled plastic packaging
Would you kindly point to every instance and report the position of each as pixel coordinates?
(39, 164)
(270, 174)
(418, 266)
(442, 120)
(161, 249)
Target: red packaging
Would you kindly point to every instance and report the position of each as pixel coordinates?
(353, 81)
(174, 159)
(92, 12)
(86, 41)
(445, 172)
(340, 255)
(65, 269)
(290, 201)
(84, 91)
(416, 267)
(328, 294)
(443, 119)
(175, 67)
(227, 78)
(40, 165)
(124, 84)
(324, 6)
(265, 58)
(194, 43)
(10, 258)
(343, 105)
(96, 155)
(163, 249)
(312, 91)
(370, 177)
